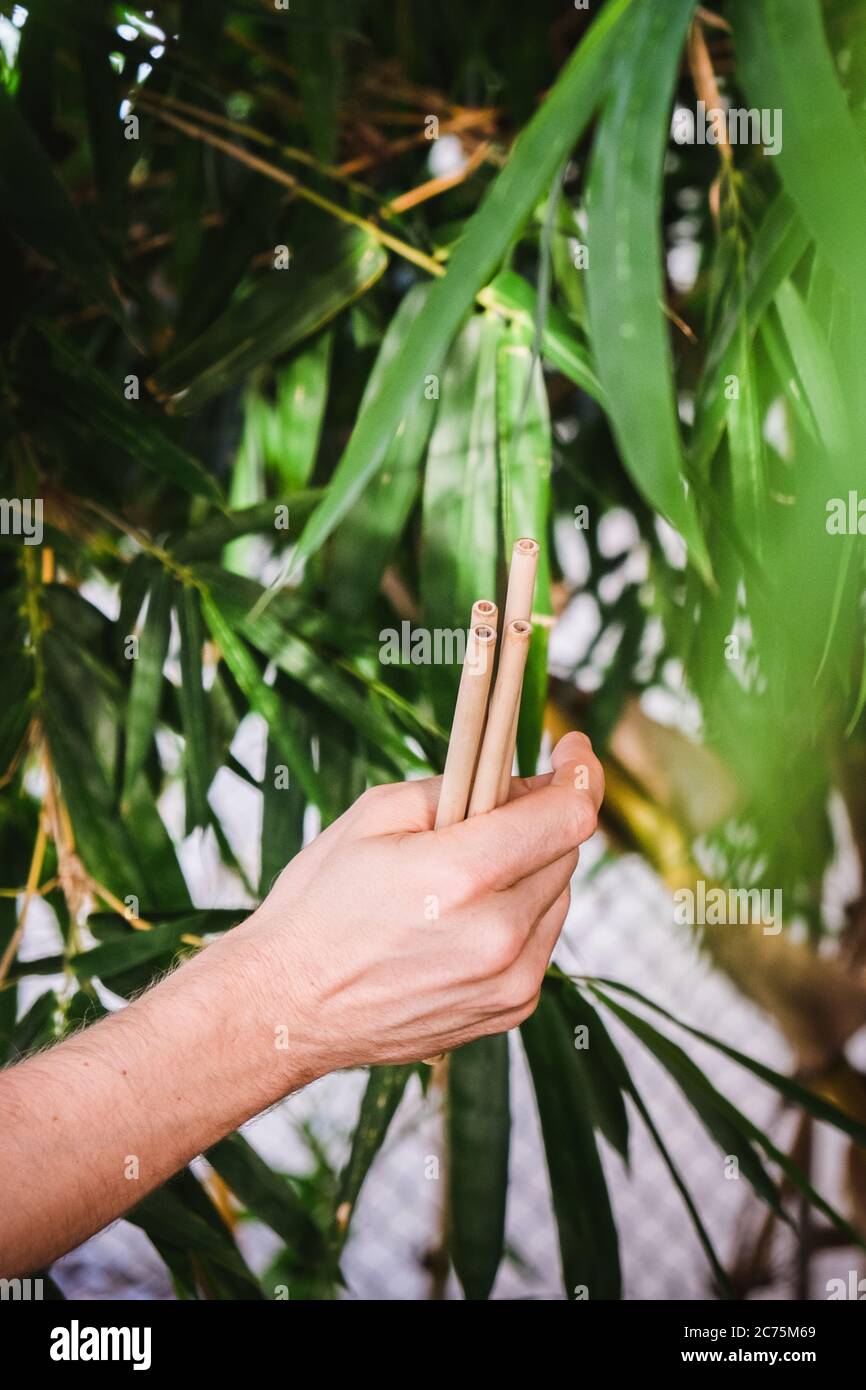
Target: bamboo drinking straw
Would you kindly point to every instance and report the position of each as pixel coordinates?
(468, 721)
(467, 725)
(503, 705)
(518, 605)
(483, 611)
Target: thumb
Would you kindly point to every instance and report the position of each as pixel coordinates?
(575, 764)
(539, 827)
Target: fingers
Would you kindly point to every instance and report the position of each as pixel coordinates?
(517, 988)
(535, 829)
(396, 807)
(573, 758)
(523, 982)
(542, 942)
(533, 896)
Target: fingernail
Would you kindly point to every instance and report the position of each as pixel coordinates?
(571, 747)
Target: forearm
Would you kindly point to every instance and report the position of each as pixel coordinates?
(91, 1126)
(338, 967)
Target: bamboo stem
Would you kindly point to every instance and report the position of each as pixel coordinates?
(433, 187)
(30, 892)
(278, 175)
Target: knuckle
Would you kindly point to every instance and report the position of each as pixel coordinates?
(523, 989)
(582, 818)
(469, 879)
(528, 1009)
(373, 798)
(496, 950)
(462, 883)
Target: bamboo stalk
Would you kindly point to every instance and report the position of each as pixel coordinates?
(518, 607)
(503, 707)
(30, 891)
(468, 722)
(281, 176)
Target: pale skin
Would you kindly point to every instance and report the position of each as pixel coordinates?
(344, 961)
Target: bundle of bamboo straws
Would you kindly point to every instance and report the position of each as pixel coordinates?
(480, 756)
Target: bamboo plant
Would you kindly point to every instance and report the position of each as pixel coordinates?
(309, 312)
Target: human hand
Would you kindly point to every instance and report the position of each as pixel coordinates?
(386, 941)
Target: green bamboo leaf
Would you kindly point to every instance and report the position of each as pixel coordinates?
(110, 926)
(76, 717)
(568, 276)
(293, 426)
(610, 1081)
(461, 488)
(9, 995)
(39, 213)
(561, 344)
(137, 579)
(316, 47)
(264, 700)
(723, 1283)
(525, 454)
(778, 246)
(193, 707)
(111, 154)
(96, 403)
(282, 813)
(275, 314)
(19, 692)
(157, 947)
(196, 1273)
(588, 1242)
(624, 277)
(730, 1129)
(102, 839)
(782, 53)
(383, 1093)
(782, 363)
(146, 686)
(318, 676)
(251, 217)
(345, 768)
(746, 442)
(209, 538)
(813, 1104)
(170, 1223)
(814, 362)
(38, 1027)
(41, 965)
(479, 1131)
(364, 541)
(538, 153)
(269, 1197)
(606, 1072)
(860, 702)
(246, 489)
